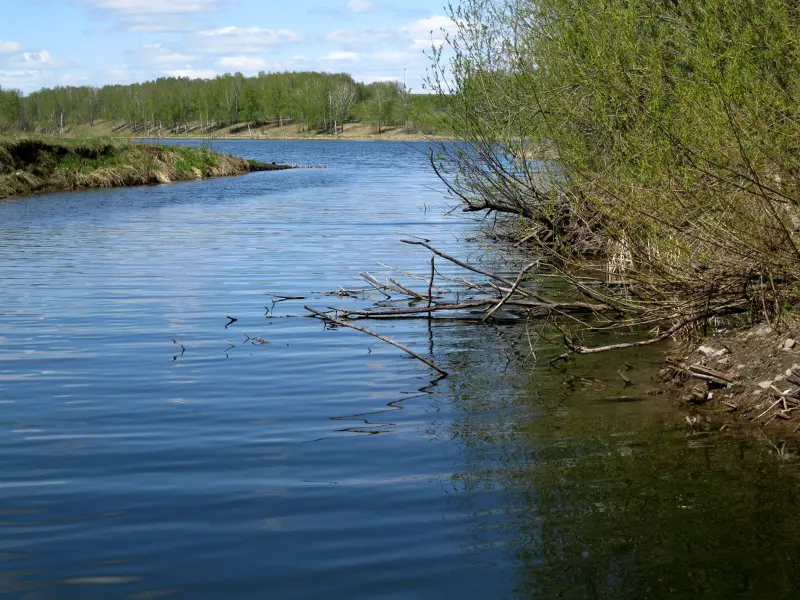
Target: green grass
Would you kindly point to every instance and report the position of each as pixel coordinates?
(37, 164)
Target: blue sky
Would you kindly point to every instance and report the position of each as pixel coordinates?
(44, 43)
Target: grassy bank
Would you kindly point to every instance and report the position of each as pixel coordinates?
(30, 165)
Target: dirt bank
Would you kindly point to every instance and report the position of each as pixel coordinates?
(744, 376)
(30, 165)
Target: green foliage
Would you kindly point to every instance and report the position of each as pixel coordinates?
(674, 125)
(33, 164)
(314, 99)
(10, 109)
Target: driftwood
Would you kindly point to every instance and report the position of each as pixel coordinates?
(328, 318)
(712, 375)
(516, 302)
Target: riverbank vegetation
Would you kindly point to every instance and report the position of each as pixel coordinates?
(288, 104)
(673, 130)
(29, 165)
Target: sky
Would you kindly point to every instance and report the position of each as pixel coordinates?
(45, 43)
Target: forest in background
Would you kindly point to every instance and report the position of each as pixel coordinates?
(321, 102)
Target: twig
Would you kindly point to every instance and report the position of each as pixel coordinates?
(430, 283)
(407, 291)
(174, 341)
(374, 283)
(282, 298)
(419, 309)
(464, 265)
(769, 409)
(525, 239)
(341, 323)
(406, 273)
(660, 338)
(231, 322)
(510, 293)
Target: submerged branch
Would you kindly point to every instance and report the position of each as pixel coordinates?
(329, 319)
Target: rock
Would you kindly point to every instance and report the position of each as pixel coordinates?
(757, 392)
(789, 344)
(710, 352)
(764, 331)
(765, 385)
(724, 362)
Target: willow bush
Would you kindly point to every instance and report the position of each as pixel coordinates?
(672, 137)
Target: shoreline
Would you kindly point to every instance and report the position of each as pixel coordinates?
(748, 376)
(31, 165)
(351, 132)
(294, 139)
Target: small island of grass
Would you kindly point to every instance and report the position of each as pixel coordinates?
(31, 165)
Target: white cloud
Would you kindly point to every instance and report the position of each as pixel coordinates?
(36, 60)
(359, 37)
(426, 32)
(121, 74)
(192, 73)
(157, 6)
(9, 46)
(25, 80)
(397, 57)
(241, 40)
(360, 5)
(342, 56)
(162, 57)
(242, 63)
(154, 15)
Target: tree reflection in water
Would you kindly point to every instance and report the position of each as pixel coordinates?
(593, 497)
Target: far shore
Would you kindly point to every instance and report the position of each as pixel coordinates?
(355, 132)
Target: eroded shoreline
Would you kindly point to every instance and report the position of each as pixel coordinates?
(35, 165)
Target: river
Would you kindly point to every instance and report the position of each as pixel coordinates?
(325, 463)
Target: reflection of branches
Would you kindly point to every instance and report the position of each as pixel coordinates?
(369, 425)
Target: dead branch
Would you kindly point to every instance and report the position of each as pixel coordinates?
(335, 321)
(712, 375)
(660, 338)
(511, 291)
(430, 283)
(375, 283)
(464, 265)
(406, 273)
(408, 291)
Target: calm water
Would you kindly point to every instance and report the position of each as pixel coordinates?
(326, 464)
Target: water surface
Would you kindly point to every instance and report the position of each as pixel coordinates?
(326, 463)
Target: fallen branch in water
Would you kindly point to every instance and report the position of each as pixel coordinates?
(511, 291)
(329, 319)
(462, 264)
(660, 338)
(430, 283)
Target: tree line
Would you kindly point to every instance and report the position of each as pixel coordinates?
(314, 100)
